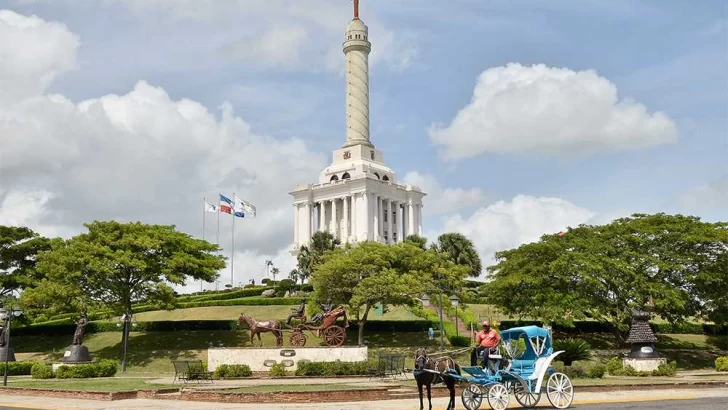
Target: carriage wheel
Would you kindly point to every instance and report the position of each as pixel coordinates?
(472, 397)
(334, 336)
(524, 397)
(498, 397)
(298, 339)
(560, 391)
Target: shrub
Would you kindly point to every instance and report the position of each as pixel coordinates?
(337, 368)
(459, 341)
(721, 364)
(42, 371)
(232, 371)
(596, 371)
(666, 369)
(106, 368)
(80, 371)
(614, 366)
(17, 368)
(278, 370)
(574, 349)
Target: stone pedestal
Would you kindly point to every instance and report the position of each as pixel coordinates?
(76, 354)
(261, 359)
(7, 353)
(644, 364)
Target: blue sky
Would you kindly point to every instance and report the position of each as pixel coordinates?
(279, 66)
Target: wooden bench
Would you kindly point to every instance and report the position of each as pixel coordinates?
(186, 370)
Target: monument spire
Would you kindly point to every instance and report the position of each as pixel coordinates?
(356, 49)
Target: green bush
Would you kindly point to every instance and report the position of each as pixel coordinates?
(17, 368)
(721, 364)
(574, 349)
(232, 371)
(614, 366)
(278, 370)
(596, 371)
(337, 368)
(666, 369)
(459, 341)
(42, 371)
(103, 368)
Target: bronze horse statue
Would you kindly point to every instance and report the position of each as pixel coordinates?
(426, 378)
(256, 328)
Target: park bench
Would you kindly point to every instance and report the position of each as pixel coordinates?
(186, 370)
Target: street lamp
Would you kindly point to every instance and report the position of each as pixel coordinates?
(455, 301)
(426, 302)
(125, 319)
(8, 315)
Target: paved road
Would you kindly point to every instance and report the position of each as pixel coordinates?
(717, 403)
(692, 399)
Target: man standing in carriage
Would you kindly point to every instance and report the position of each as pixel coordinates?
(487, 341)
(326, 307)
(298, 313)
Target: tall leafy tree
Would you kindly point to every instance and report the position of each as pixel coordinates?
(311, 255)
(461, 251)
(371, 273)
(604, 272)
(417, 240)
(19, 248)
(116, 264)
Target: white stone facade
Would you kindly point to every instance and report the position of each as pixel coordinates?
(261, 359)
(357, 197)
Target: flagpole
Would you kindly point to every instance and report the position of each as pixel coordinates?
(204, 211)
(217, 237)
(232, 253)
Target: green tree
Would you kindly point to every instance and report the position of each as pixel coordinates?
(461, 251)
(311, 255)
(603, 272)
(372, 273)
(417, 240)
(116, 264)
(19, 247)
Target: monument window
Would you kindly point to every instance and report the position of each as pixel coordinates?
(346, 176)
(385, 178)
(376, 175)
(334, 178)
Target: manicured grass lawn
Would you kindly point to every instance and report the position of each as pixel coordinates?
(101, 384)
(259, 312)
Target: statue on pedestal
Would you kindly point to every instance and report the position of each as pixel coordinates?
(6, 352)
(3, 337)
(77, 352)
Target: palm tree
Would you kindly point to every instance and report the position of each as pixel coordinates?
(274, 272)
(304, 263)
(460, 250)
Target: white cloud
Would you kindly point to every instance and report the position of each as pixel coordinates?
(301, 35)
(551, 111)
(505, 225)
(710, 196)
(33, 52)
(441, 200)
(138, 156)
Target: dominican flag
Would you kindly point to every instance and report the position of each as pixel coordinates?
(226, 205)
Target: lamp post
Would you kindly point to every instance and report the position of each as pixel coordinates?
(8, 315)
(125, 319)
(455, 301)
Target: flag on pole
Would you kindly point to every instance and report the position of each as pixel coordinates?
(211, 207)
(226, 205)
(244, 206)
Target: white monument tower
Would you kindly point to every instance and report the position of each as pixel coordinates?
(357, 197)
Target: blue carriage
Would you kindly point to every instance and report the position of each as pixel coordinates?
(530, 354)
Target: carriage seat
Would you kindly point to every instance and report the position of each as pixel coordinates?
(523, 366)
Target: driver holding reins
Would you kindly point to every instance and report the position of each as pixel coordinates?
(487, 341)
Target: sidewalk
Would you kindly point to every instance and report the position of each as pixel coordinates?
(439, 403)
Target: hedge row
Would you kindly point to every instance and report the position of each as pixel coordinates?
(234, 294)
(242, 302)
(17, 368)
(599, 327)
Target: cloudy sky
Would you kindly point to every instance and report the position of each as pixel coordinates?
(518, 118)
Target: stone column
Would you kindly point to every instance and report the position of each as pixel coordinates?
(334, 221)
(345, 235)
(322, 216)
(295, 224)
(410, 219)
(419, 219)
(390, 216)
(381, 217)
(307, 222)
(376, 232)
(400, 223)
(364, 216)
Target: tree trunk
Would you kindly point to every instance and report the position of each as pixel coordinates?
(363, 321)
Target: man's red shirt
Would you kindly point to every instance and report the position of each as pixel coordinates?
(487, 338)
